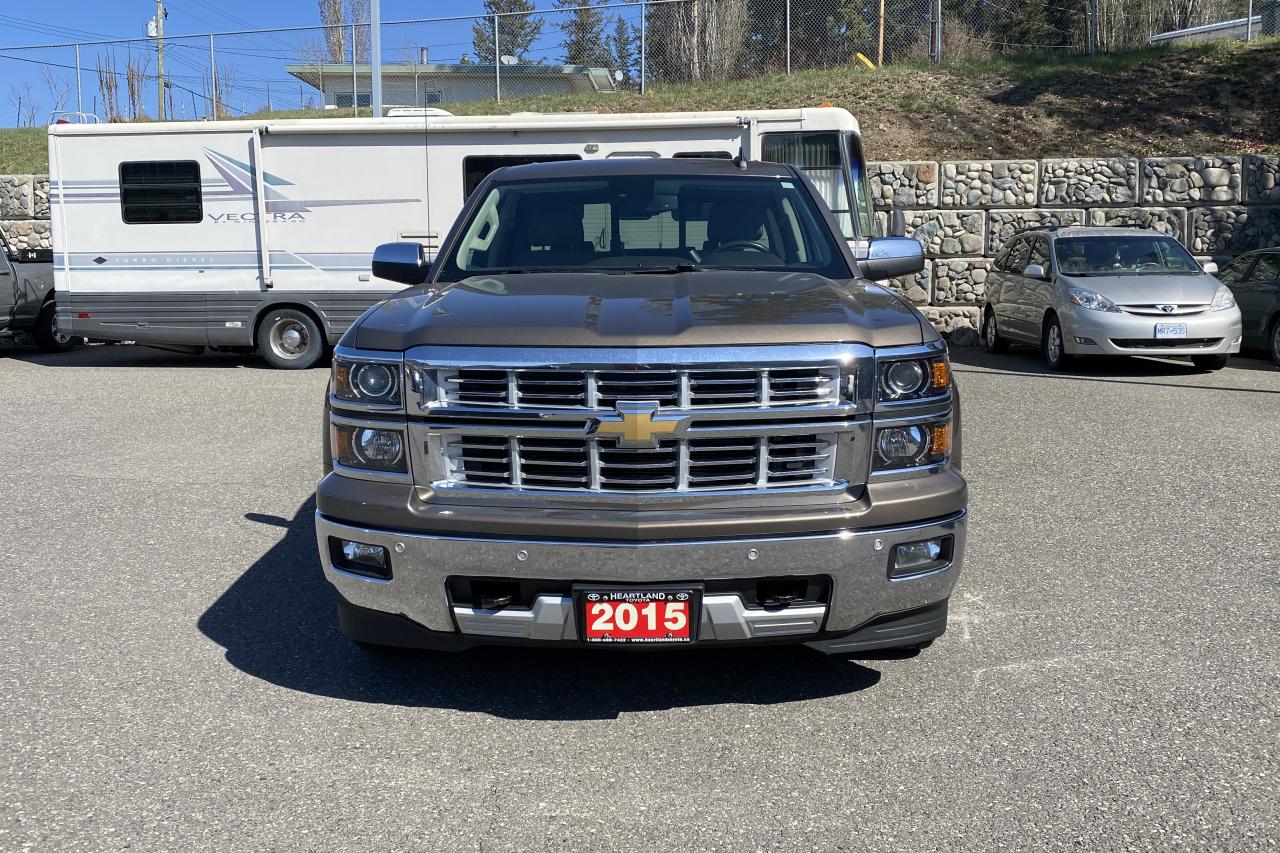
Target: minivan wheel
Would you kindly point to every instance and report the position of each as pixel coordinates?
(1053, 346)
(1209, 362)
(48, 337)
(991, 337)
(290, 339)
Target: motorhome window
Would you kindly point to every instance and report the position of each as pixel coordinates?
(817, 154)
(160, 191)
(704, 155)
(645, 223)
(476, 169)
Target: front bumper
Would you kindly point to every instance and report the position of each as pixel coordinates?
(865, 608)
(1134, 334)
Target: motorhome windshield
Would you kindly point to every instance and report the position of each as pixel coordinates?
(1137, 255)
(646, 224)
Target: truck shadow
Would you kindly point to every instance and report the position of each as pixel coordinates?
(278, 622)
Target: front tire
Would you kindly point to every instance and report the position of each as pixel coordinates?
(48, 337)
(1209, 362)
(290, 339)
(1275, 341)
(1053, 345)
(995, 342)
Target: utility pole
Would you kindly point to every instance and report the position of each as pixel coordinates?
(880, 52)
(159, 37)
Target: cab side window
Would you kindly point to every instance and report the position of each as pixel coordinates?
(1267, 268)
(1235, 271)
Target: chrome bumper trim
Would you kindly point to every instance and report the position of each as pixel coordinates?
(724, 617)
(856, 560)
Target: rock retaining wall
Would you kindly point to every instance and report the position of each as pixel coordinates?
(1217, 206)
(963, 211)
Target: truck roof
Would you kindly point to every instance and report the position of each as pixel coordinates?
(641, 166)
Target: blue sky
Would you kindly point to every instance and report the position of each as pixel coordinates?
(256, 62)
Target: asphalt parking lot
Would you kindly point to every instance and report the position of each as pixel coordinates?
(173, 676)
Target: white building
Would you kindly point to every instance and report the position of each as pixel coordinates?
(415, 85)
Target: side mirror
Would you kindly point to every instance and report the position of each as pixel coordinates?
(1210, 267)
(402, 262)
(1035, 271)
(890, 257)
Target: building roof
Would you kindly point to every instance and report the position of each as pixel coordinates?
(580, 77)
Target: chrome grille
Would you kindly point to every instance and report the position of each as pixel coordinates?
(694, 464)
(672, 388)
(1154, 309)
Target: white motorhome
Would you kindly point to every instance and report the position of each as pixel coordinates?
(259, 234)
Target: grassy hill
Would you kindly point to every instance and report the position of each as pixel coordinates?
(1216, 97)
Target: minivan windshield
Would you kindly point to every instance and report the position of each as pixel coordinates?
(645, 224)
(1140, 254)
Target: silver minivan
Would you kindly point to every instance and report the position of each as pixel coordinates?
(1108, 291)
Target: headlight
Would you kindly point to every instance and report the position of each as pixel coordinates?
(1092, 300)
(1223, 299)
(375, 383)
(913, 379)
(369, 448)
(912, 445)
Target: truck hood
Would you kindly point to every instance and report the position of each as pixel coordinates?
(1150, 289)
(709, 307)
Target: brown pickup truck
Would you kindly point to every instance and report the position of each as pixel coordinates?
(643, 403)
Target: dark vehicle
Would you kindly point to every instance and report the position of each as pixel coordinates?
(1254, 279)
(26, 297)
(643, 403)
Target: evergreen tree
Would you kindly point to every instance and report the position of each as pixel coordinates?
(517, 30)
(583, 29)
(624, 50)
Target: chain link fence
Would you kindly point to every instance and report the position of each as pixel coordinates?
(572, 49)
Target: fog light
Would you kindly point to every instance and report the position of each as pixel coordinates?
(901, 443)
(1086, 341)
(360, 558)
(380, 446)
(911, 558)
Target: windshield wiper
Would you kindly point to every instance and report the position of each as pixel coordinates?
(678, 268)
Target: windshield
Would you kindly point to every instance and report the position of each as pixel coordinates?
(1124, 255)
(637, 223)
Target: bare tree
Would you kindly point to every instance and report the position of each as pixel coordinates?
(357, 12)
(24, 104)
(135, 78)
(698, 40)
(109, 86)
(335, 35)
(59, 88)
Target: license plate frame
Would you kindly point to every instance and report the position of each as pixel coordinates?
(1171, 331)
(688, 595)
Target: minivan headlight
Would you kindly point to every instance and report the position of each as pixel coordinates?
(373, 383)
(1223, 299)
(1092, 300)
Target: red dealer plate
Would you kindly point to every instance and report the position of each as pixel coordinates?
(634, 615)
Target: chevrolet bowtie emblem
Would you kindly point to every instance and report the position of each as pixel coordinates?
(638, 424)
